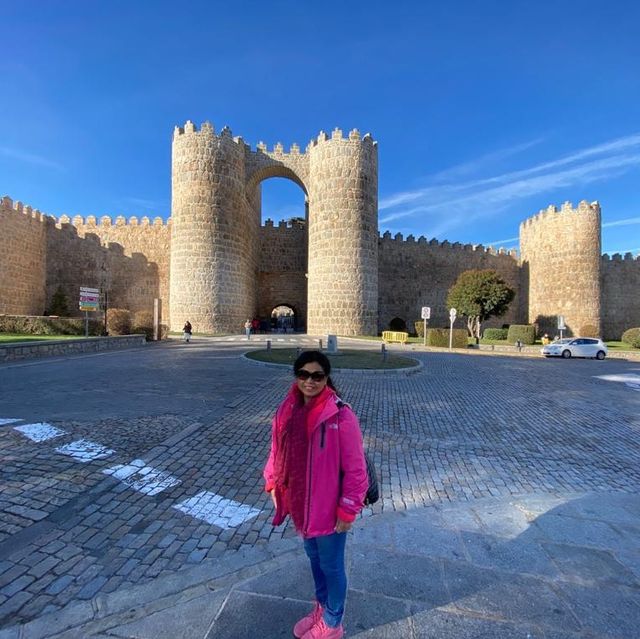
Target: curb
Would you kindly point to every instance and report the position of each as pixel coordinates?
(412, 370)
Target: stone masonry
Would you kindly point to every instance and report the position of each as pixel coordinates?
(213, 263)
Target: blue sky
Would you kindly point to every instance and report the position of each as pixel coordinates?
(484, 112)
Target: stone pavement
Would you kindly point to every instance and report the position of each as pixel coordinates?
(490, 442)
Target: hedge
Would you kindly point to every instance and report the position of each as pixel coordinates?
(119, 321)
(526, 333)
(419, 326)
(143, 324)
(440, 337)
(588, 330)
(495, 333)
(632, 337)
(48, 325)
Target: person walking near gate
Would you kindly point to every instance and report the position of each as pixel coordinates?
(186, 331)
(316, 474)
(247, 328)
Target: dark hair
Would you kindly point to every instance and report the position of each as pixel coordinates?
(308, 357)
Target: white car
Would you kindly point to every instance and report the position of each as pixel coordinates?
(576, 347)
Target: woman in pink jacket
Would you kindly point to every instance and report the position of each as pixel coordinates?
(316, 474)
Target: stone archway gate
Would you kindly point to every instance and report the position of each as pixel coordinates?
(215, 220)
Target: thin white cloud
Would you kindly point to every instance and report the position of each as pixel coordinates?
(461, 202)
(151, 205)
(30, 158)
(628, 221)
(500, 242)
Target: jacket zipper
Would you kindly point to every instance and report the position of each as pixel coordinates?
(310, 464)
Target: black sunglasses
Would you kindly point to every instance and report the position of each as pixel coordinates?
(316, 376)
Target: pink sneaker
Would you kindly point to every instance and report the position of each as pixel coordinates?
(307, 622)
(321, 631)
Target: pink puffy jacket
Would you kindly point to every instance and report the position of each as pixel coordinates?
(336, 469)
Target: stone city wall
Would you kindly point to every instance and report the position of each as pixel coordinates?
(128, 257)
(560, 256)
(282, 269)
(22, 259)
(620, 294)
(420, 273)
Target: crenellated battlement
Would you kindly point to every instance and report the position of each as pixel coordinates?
(107, 221)
(567, 208)
(617, 257)
(398, 239)
(7, 204)
(207, 129)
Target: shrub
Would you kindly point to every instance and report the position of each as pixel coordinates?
(588, 330)
(419, 326)
(59, 303)
(632, 337)
(143, 324)
(495, 333)
(42, 325)
(119, 321)
(526, 333)
(440, 337)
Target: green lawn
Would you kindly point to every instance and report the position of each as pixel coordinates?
(9, 338)
(346, 359)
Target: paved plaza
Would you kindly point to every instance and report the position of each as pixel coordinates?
(133, 506)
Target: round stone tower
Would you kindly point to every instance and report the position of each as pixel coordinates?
(343, 235)
(213, 234)
(560, 253)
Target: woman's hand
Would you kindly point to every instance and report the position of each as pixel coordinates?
(343, 526)
(273, 498)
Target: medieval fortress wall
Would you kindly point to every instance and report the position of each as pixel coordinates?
(415, 273)
(216, 265)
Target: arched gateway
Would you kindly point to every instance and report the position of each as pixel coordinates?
(216, 238)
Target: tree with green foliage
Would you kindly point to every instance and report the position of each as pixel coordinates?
(479, 295)
(59, 304)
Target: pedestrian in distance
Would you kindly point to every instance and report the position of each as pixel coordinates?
(186, 331)
(247, 328)
(316, 474)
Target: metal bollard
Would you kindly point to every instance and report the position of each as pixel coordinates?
(268, 346)
(298, 351)
(320, 344)
(384, 353)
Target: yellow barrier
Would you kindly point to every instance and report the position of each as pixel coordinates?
(395, 336)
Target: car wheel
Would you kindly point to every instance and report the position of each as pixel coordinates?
(566, 354)
(600, 355)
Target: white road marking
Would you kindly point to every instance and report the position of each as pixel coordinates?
(84, 450)
(39, 432)
(216, 510)
(144, 479)
(628, 379)
(8, 420)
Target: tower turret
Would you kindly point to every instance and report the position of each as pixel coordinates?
(343, 235)
(214, 232)
(560, 252)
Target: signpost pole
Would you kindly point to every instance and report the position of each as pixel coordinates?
(452, 319)
(86, 323)
(426, 314)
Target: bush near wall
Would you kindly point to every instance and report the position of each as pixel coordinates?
(440, 337)
(495, 333)
(119, 321)
(48, 325)
(588, 330)
(143, 324)
(419, 326)
(526, 333)
(632, 337)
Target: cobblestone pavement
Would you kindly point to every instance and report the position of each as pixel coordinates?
(187, 430)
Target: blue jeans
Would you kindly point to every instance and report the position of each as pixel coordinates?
(326, 554)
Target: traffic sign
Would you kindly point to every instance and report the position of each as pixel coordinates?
(89, 290)
(561, 325)
(426, 312)
(452, 314)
